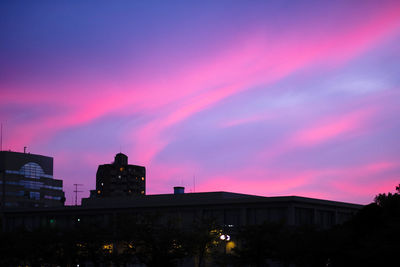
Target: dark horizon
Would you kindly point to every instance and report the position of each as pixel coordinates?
(262, 97)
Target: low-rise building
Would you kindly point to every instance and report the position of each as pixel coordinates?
(229, 210)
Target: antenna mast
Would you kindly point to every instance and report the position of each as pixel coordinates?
(76, 191)
(1, 138)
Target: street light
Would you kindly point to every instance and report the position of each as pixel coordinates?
(225, 237)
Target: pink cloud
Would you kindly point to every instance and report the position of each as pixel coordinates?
(266, 182)
(251, 62)
(250, 119)
(327, 129)
(323, 130)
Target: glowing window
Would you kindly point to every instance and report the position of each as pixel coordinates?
(108, 248)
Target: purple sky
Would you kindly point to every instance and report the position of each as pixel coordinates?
(259, 97)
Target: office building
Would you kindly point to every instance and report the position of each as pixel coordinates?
(119, 179)
(26, 181)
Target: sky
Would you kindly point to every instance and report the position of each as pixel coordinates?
(269, 98)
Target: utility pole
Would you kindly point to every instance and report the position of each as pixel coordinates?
(3, 187)
(76, 191)
(1, 137)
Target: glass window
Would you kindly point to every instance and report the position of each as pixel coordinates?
(34, 195)
(31, 170)
(31, 184)
(52, 197)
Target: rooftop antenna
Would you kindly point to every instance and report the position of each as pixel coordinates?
(24, 149)
(76, 191)
(194, 183)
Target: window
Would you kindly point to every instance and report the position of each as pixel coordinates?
(31, 184)
(34, 195)
(52, 197)
(30, 170)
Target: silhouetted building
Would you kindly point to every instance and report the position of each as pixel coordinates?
(120, 179)
(26, 180)
(229, 210)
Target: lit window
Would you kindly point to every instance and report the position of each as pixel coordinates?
(108, 248)
(142, 178)
(142, 192)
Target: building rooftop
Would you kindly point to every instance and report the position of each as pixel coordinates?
(204, 198)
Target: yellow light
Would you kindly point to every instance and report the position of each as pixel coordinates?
(229, 246)
(142, 192)
(121, 169)
(98, 191)
(108, 247)
(142, 178)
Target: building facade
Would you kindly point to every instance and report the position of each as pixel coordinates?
(119, 179)
(26, 181)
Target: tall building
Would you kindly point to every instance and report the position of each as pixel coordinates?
(120, 179)
(26, 180)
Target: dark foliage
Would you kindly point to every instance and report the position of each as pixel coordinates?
(370, 238)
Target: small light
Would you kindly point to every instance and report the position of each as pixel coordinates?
(142, 178)
(222, 237)
(119, 176)
(228, 237)
(142, 192)
(102, 184)
(121, 169)
(79, 219)
(98, 192)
